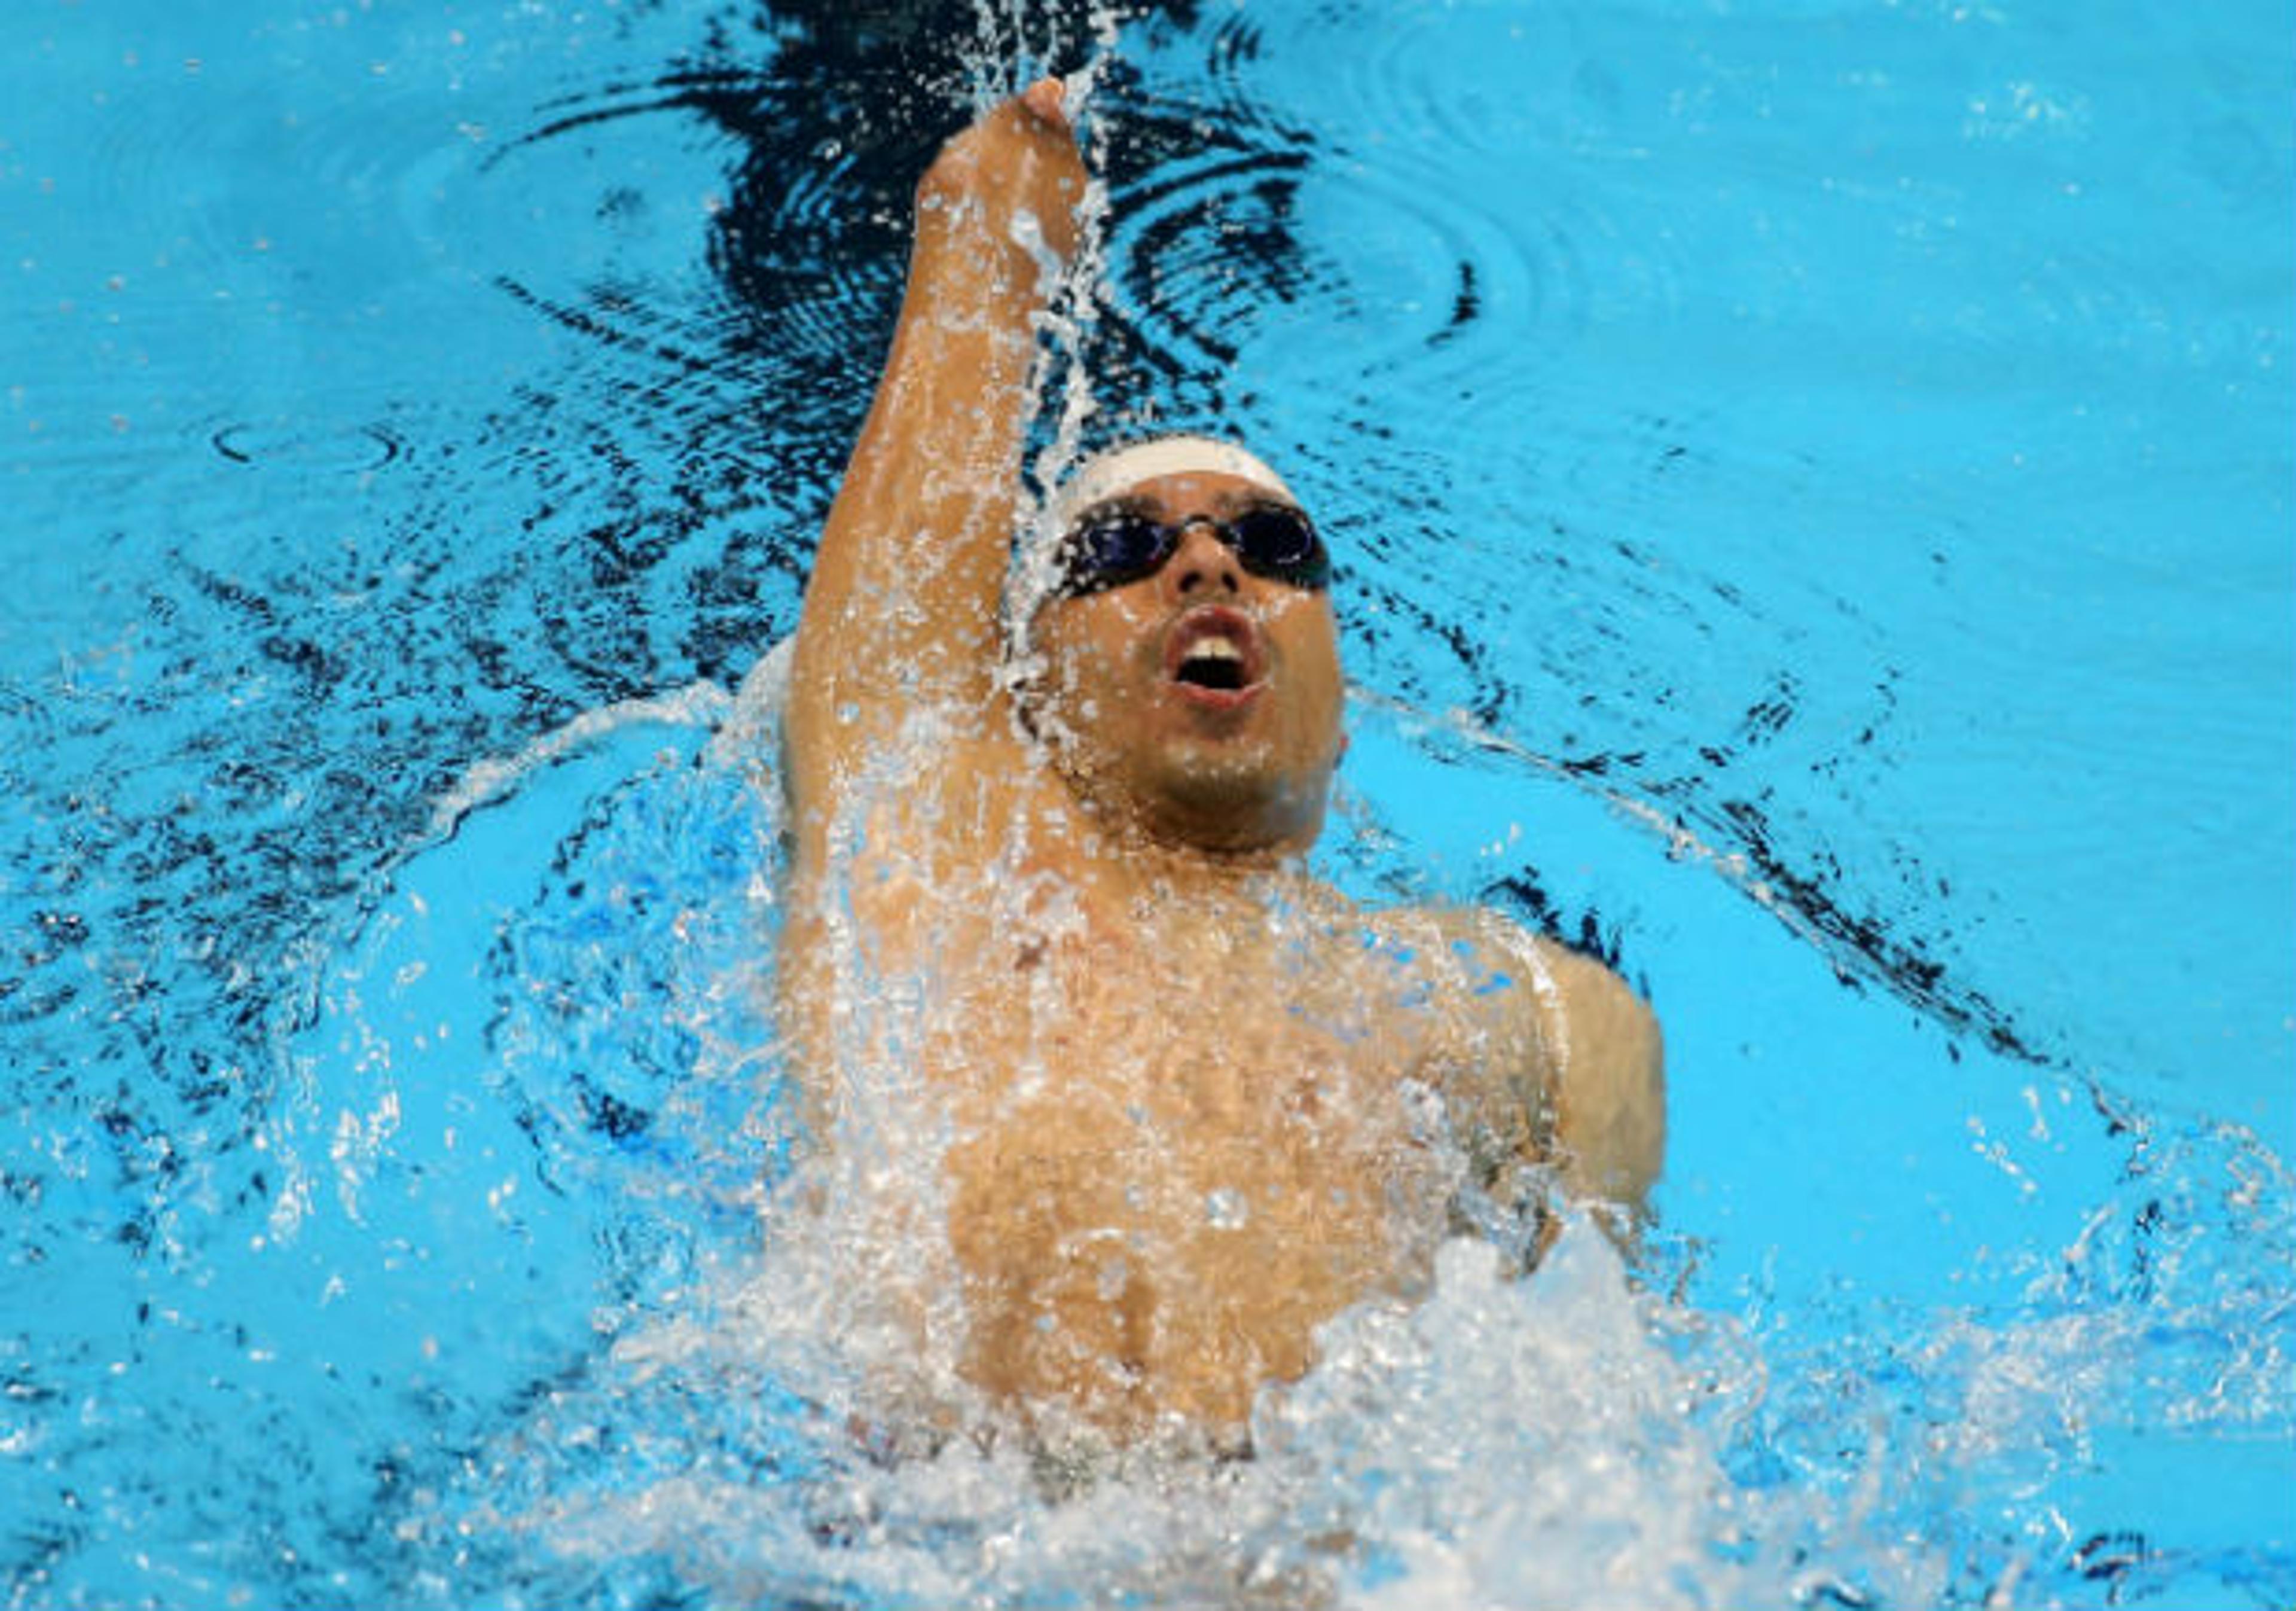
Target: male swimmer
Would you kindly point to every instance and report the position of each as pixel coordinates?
(1170, 1102)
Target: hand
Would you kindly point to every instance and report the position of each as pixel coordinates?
(1020, 157)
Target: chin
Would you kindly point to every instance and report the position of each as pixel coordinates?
(1217, 805)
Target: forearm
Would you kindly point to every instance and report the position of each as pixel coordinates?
(904, 596)
(921, 521)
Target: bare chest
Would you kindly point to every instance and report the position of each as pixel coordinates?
(1172, 1128)
(1215, 1057)
(1179, 1140)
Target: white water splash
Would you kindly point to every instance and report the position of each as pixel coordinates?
(1504, 1442)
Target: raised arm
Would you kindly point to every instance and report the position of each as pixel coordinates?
(901, 607)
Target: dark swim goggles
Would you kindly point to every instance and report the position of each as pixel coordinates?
(1114, 544)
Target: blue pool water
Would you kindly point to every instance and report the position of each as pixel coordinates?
(1814, 485)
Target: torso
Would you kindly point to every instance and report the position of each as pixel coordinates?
(1176, 1119)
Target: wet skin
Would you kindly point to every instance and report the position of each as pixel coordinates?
(1203, 701)
(1147, 1103)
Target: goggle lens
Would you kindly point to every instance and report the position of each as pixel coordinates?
(1279, 542)
(1110, 547)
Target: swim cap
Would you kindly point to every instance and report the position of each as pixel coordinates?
(1109, 474)
(1121, 469)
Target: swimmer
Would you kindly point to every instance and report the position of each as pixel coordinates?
(1171, 1101)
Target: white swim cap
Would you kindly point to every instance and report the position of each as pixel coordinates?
(1119, 469)
(1109, 474)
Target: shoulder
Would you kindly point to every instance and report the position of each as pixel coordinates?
(1502, 1006)
(1493, 956)
(1502, 955)
(1596, 1044)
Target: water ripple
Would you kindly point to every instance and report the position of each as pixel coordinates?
(1405, 264)
(1198, 255)
(315, 446)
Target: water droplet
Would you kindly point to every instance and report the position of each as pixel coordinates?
(1227, 1210)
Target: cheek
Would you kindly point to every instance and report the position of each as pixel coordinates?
(1083, 671)
(1315, 658)
(1093, 647)
(1080, 669)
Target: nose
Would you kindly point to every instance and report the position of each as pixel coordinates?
(1202, 564)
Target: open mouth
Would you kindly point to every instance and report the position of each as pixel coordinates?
(1214, 662)
(1213, 657)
